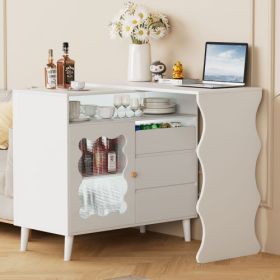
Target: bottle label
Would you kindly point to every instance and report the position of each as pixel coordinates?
(51, 77)
(112, 162)
(69, 74)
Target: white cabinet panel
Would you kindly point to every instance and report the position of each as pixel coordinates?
(101, 201)
(277, 46)
(162, 140)
(166, 203)
(166, 169)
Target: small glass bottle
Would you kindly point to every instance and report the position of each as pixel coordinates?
(100, 162)
(112, 155)
(50, 72)
(65, 69)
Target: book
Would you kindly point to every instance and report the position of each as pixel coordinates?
(177, 82)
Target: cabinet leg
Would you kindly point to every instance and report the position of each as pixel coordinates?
(68, 244)
(24, 238)
(142, 229)
(187, 229)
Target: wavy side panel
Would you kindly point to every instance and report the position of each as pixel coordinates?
(228, 151)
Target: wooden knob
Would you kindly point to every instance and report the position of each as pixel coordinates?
(133, 174)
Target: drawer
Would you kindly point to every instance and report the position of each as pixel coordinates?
(166, 169)
(165, 139)
(166, 203)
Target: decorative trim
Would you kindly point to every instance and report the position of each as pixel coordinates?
(267, 201)
(5, 63)
(2, 44)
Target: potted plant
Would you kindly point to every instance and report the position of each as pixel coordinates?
(139, 25)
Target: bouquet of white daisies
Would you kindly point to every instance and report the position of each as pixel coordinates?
(138, 24)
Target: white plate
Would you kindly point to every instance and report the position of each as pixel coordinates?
(159, 105)
(84, 89)
(160, 111)
(80, 119)
(156, 100)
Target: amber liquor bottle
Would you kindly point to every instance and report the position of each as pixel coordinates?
(50, 72)
(65, 69)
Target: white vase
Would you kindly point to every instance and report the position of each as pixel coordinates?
(139, 60)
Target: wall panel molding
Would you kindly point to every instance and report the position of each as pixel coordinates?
(3, 45)
(263, 75)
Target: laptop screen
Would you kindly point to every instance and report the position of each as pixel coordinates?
(225, 62)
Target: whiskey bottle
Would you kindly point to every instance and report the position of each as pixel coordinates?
(65, 69)
(50, 72)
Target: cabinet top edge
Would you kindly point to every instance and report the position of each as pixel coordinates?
(130, 87)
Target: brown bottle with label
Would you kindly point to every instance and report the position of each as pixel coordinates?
(65, 69)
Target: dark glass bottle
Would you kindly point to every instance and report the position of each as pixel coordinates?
(65, 69)
(86, 162)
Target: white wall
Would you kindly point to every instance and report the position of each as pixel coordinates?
(36, 25)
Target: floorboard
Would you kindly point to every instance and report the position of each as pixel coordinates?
(122, 253)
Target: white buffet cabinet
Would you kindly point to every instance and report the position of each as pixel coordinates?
(156, 180)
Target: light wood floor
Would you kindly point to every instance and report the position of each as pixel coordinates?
(122, 253)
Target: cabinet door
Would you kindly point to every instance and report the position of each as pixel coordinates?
(101, 190)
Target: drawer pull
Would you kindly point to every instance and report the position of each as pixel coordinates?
(134, 174)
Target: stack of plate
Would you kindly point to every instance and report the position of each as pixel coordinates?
(158, 106)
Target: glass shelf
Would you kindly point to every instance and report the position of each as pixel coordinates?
(103, 185)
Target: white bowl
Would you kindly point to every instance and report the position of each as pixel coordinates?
(105, 112)
(88, 110)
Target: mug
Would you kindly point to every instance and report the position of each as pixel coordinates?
(88, 110)
(105, 112)
(77, 85)
(74, 110)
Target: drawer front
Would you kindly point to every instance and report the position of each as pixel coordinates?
(165, 139)
(166, 203)
(166, 169)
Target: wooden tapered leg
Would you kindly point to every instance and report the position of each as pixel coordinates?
(142, 229)
(187, 229)
(68, 245)
(24, 238)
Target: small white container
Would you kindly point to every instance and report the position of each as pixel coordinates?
(105, 112)
(77, 85)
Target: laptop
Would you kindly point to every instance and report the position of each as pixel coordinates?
(224, 66)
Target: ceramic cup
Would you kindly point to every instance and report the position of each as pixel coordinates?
(105, 112)
(77, 85)
(74, 110)
(88, 110)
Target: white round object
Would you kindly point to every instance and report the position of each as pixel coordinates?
(81, 119)
(156, 100)
(105, 112)
(129, 113)
(159, 105)
(88, 110)
(159, 111)
(77, 85)
(138, 113)
(121, 112)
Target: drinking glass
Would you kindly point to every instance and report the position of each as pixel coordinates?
(126, 102)
(117, 103)
(134, 104)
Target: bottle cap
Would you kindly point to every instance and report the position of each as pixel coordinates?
(65, 46)
(51, 52)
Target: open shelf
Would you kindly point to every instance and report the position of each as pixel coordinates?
(137, 119)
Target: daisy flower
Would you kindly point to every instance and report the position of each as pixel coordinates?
(132, 21)
(158, 32)
(126, 30)
(141, 13)
(141, 34)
